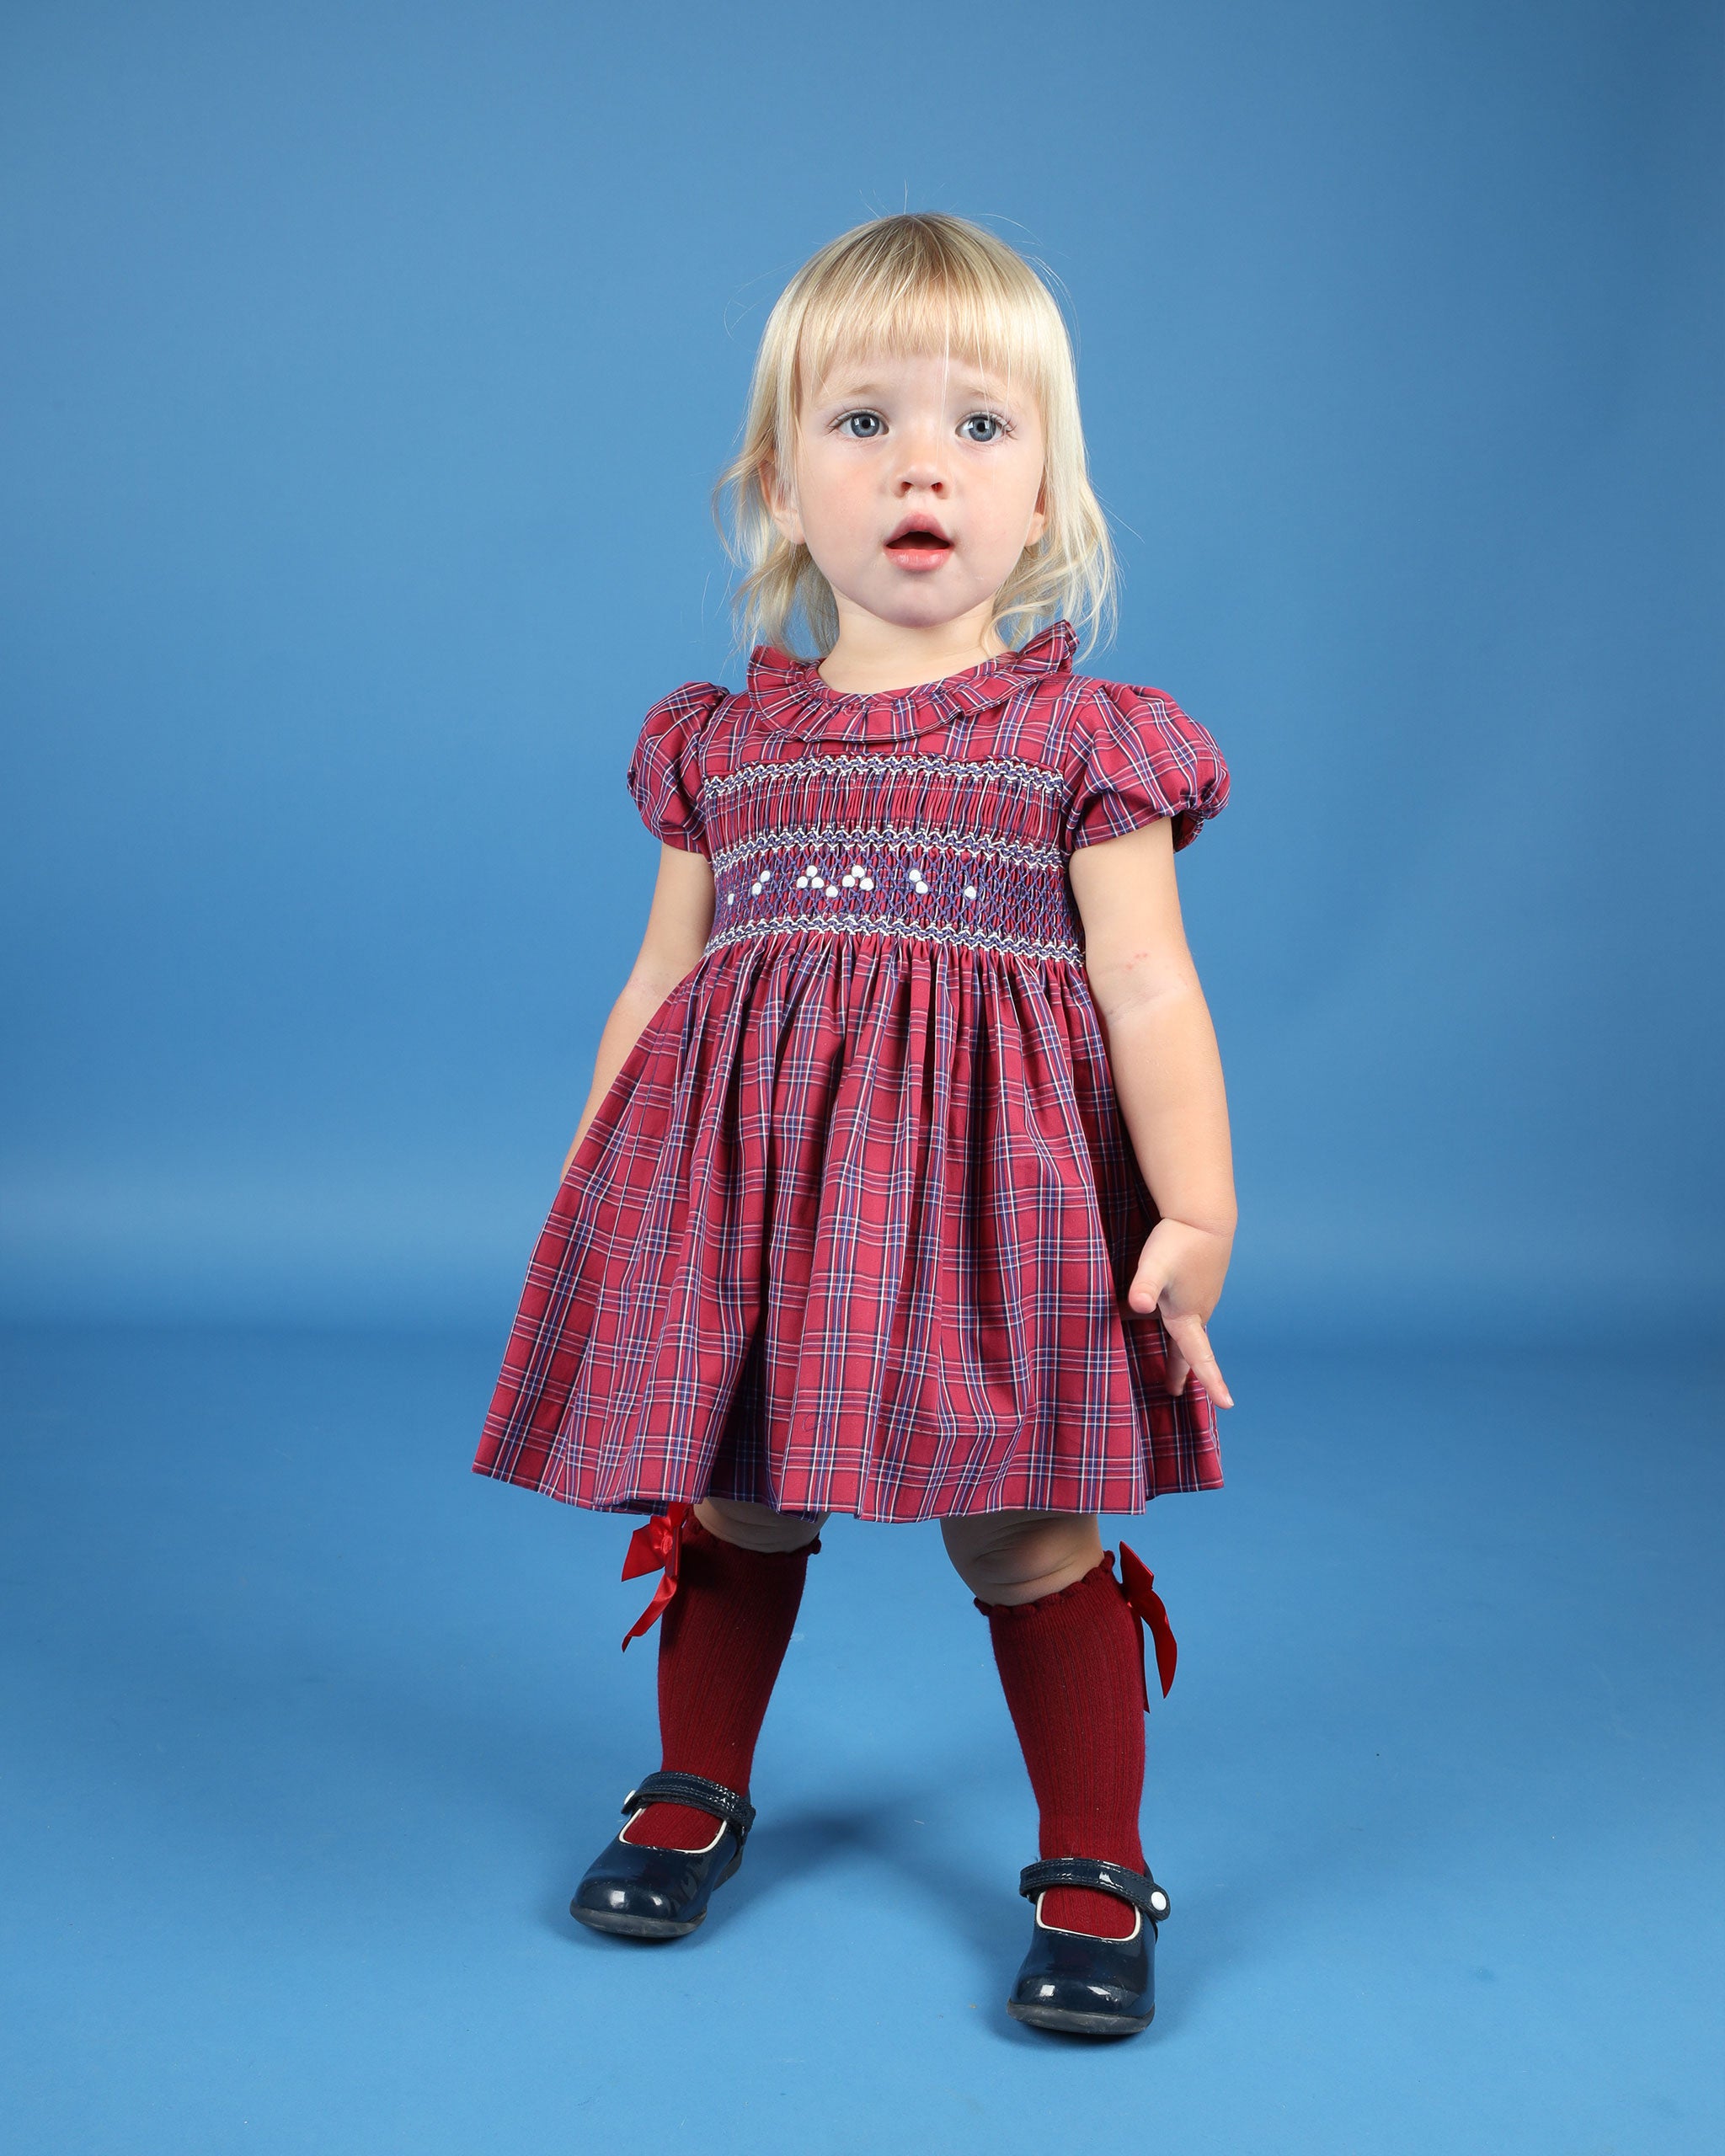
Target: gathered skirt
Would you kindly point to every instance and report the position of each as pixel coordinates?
(851, 1230)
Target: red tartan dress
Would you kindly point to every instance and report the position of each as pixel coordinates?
(853, 1226)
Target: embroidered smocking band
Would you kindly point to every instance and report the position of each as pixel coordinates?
(941, 885)
(1138, 1585)
(1001, 777)
(657, 1544)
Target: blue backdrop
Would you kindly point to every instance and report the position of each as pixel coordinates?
(367, 371)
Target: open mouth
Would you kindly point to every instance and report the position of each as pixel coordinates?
(919, 541)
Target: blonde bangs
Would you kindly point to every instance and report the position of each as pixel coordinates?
(904, 302)
(907, 287)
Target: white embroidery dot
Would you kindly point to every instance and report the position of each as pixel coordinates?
(801, 883)
(766, 875)
(969, 890)
(868, 882)
(849, 881)
(832, 890)
(730, 898)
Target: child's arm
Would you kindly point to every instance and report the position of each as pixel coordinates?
(678, 925)
(1168, 1076)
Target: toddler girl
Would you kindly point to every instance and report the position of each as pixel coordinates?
(904, 1186)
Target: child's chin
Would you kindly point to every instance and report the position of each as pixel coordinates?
(916, 602)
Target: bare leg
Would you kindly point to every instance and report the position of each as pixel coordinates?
(758, 1527)
(1020, 1556)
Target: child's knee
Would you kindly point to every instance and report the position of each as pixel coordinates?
(1020, 1556)
(758, 1527)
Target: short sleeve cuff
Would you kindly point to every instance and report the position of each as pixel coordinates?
(665, 771)
(1147, 759)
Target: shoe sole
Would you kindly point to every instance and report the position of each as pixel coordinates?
(623, 1926)
(621, 1922)
(1070, 2022)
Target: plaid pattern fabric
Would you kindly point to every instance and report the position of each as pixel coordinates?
(852, 1228)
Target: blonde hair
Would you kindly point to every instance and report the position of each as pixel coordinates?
(906, 285)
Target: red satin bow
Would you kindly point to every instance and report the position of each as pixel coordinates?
(1138, 1585)
(659, 1543)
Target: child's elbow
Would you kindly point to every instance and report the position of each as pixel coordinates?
(1129, 982)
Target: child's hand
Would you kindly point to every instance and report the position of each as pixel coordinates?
(1180, 1272)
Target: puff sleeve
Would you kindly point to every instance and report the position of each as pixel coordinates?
(665, 771)
(1146, 758)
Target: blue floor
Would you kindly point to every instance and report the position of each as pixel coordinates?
(310, 1731)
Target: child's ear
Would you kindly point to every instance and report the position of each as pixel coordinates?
(782, 506)
(1038, 516)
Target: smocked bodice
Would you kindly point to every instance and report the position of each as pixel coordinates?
(943, 813)
(890, 842)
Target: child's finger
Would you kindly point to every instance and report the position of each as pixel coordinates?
(1194, 1345)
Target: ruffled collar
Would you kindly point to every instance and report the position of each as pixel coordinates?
(791, 697)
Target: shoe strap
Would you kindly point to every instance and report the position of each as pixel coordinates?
(699, 1794)
(1137, 1887)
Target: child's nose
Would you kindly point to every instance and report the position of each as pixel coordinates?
(921, 465)
(922, 473)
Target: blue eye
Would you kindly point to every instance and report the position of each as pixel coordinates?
(996, 427)
(862, 426)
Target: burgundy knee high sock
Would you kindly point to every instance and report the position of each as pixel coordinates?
(721, 1641)
(1071, 1668)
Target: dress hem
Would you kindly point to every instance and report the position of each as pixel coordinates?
(925, 1505)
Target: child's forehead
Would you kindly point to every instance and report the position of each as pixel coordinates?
(854, 366)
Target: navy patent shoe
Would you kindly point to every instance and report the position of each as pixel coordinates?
(1089, 1986)
(649, 1893)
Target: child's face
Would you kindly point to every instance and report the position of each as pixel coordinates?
(887, 449)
